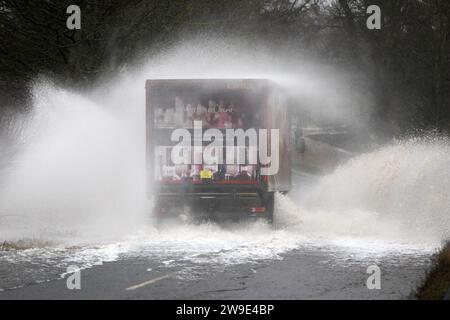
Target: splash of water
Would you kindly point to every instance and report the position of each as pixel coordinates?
(78, 174)
(399, 192)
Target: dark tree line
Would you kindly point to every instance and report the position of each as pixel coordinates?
(408, 60)
(405, 64)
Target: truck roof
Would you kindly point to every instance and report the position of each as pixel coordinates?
(218, 81)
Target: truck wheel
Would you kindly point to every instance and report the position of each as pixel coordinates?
(270, 206)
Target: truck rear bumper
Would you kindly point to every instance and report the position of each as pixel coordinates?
(224, 202)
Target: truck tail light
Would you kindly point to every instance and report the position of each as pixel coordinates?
(257, 209)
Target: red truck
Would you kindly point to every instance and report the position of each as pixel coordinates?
(217, 148)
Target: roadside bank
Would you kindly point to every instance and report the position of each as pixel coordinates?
(436, 284)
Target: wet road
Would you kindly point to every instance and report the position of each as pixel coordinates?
(248, 261)
(304, 273)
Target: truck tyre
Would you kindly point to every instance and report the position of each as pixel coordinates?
(270, 206)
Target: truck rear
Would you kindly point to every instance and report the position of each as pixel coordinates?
(217, 148)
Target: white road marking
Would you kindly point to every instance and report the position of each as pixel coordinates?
(143, 284)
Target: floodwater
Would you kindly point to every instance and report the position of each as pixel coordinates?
(332, 262)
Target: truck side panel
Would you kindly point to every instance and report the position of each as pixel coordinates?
(278, 118)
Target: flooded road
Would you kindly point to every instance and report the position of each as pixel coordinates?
(308, 271)
(249, 260)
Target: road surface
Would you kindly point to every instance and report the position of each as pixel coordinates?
(217, 262)
(301, 274)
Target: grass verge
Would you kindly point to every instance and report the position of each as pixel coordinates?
(437, 280)
(23, 244)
